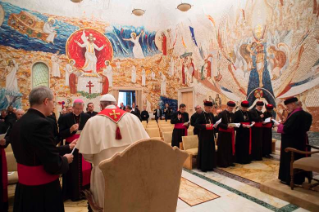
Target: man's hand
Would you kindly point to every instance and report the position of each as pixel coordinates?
(262, 116)
(208, 125)
(179, 116)
(3, 142)
(74, 127)
(69, 157)
(72, 145)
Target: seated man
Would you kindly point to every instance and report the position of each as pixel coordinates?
(120, 129)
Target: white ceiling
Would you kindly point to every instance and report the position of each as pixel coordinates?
(159, 13)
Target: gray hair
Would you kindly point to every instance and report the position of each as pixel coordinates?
(104, 104)
(39, 94)
(20, 110)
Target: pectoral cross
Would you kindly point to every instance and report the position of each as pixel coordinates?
(114, 114)
(90, 85)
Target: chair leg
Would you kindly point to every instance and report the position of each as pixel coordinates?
(188, 164)
(292, 184)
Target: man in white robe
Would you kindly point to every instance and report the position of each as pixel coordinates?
(108, 72)
(133, 74)
(68, 70)
(143, 77)
(55, 65)
(50, 29)
(11, 79)
(99, 143)
(171, 67)
(90, 57)
(153, 75)
(163, 84)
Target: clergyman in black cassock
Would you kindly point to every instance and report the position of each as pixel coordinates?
(267, 132)
(206, 158)
(144, 115)
(194, 117)
(3, 171)
(243, 134)
(226, 137)
(78, 178)
(180, 119)
(293, 134)
(257, 131)
(38, 159)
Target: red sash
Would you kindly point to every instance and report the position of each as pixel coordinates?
(209, 128)
(268, 125)
(247, 123)
(181, 126)
(34, 175)
(232, 131)
(86, 166)
(4, 176)
(258, 124)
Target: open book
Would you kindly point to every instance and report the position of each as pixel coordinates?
(267, 120)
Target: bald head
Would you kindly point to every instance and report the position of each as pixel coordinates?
(19, 113)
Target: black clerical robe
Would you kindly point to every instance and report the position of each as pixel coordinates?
(168, 113)
(179, 128)
(257, 134)
(91, 114)
(226, 140)
(267, 135)
(206, 158)
(145, 116)
(295, 135)
(54, 124)
(194, 117)
(243, 137)
(39, 165)
(78, 178)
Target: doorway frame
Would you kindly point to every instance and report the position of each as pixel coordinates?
(185, 90)
(138, 102)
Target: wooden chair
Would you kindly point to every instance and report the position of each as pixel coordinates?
(153, 132)
(137, 179)
(190, 145)
(12, 168)
(190, 132)
(167, 136)
(308, 164)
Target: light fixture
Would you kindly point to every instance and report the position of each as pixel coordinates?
(184, 7)
(76, 1)
(138, 12)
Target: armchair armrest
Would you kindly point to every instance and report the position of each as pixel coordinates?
(290, 149)
(315, 147)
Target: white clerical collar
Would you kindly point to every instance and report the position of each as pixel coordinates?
(111, 106)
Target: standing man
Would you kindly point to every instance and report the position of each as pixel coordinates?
(78, 178)
(257, 131)
(39, 162)
(90, 109)
(267, 132)
(157, 113)
(293, 134)
(194, 117)
(243, 134)
(181, 121)
(144, 115)
(122, 107)
(121, 130)
(206, 159)
(167, 112)
(136, 110)
(226, 137)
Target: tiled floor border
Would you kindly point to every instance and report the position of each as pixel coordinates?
(287, 208)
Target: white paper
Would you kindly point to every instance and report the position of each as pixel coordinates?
(276, 122)
(267, 120)
(252, 124)
(2, 136)
(10, 173)
(217, 123)
(73, 150)
(234, 124)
